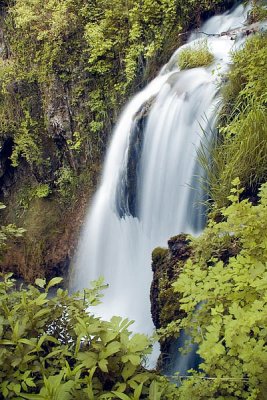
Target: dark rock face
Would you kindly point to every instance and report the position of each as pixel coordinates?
(167, 265)
(180, 247)
(6, 169)
(60, 123)
(128, 190)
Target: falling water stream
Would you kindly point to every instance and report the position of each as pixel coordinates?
(148, 190)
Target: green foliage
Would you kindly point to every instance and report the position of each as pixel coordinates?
(42, 191)
(53, 348)
(67, 184)
(26, 142)
(195, 56)
(240, 148)
(97, 50)
(223, 288)
(29, 192)
(258, 12)
(7, 233)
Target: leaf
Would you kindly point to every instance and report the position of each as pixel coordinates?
(122, 396)
(236, 182)
(138, 391)
(41, 313)
(53, 282)
(40, 282)
(29, 382)
(32, 396)
(48, 338)
(135, 359)
(17, 388)
(128, 370)
(111, 348)
(121, 387)
(103, 365)
(138, 342)
(88, 359)
(54, 353)
(7, 342)
(41, 300)
(154, 392)
(28, 342)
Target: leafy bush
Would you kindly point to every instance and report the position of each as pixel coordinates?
(53, 348)
(223, 288)
(195, 56)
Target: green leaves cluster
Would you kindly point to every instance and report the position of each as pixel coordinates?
(8, 232)
(223, 288)
(53, 348)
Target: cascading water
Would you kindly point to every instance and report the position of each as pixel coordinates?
(146, 192)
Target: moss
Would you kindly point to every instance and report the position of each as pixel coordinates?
(159, 254)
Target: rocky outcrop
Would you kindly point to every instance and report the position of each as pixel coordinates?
(128, 190)
(167, 265)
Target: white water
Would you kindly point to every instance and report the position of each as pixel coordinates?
(119, 248)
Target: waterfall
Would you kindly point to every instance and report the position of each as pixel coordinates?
(149, 189)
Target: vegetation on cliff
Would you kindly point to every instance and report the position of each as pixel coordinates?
(223, 287)
(66, 68)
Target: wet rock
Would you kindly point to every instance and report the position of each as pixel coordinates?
(167, 264)
(180, 247)
(128, 190)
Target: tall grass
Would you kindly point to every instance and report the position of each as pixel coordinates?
(240, 148)
(194, 56)
(243, 155)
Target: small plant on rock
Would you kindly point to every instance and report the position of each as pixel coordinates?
(195, 56)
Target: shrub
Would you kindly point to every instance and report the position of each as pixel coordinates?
(53, 348)
(223, 288)
(195, 56)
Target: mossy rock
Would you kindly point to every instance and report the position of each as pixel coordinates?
(158, 254)
(166, 266)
